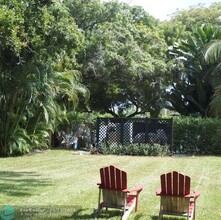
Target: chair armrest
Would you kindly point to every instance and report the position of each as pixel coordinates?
(99, 185)
(137, 189)
(158, 192)
(193, 195)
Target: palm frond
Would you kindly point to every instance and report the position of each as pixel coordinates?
(213, 53)
(216, 102)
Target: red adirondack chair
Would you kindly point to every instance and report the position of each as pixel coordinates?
(113, 191)
(176, 198)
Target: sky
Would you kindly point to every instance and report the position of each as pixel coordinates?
(162, 8)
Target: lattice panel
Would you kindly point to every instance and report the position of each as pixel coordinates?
(134, 130)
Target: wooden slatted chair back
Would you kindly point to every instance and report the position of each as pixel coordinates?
(112, 178)
(175, 184)
(113, 191)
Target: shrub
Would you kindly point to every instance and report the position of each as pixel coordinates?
(134, 149)
(197, 135)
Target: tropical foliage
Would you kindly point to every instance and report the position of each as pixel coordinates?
(213, 56)
(193, 79)
(60, 59)
(38, 44)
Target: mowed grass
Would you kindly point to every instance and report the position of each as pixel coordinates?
(57, 178)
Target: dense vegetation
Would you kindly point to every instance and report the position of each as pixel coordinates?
(58, 58)
(197, 135)
(135, 149)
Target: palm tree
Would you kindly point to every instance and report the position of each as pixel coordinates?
(213, 56)
(213, 53)
(192, 83)
(33, 96)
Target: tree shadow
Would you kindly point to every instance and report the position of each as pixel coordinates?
(166, 217)
(104, 214)
(79, 215)
(155, 217)
(20, 184)
(139, 216)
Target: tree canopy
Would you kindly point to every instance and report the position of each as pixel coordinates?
(62, 57)
(124, 60)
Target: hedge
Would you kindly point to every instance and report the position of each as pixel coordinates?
(197, 135)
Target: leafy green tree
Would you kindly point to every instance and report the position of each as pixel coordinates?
(180, 25)
(39, 41)
(124, 59)
(174, 32)
(198, 15)
(89, 14)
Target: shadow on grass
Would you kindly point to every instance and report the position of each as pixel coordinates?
(166, 217)
(20, 184)
(139, 216)
(104, 214)
(79, 214)
(87, 214)
(154, 217)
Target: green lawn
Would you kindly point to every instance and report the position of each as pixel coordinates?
(58, 179)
